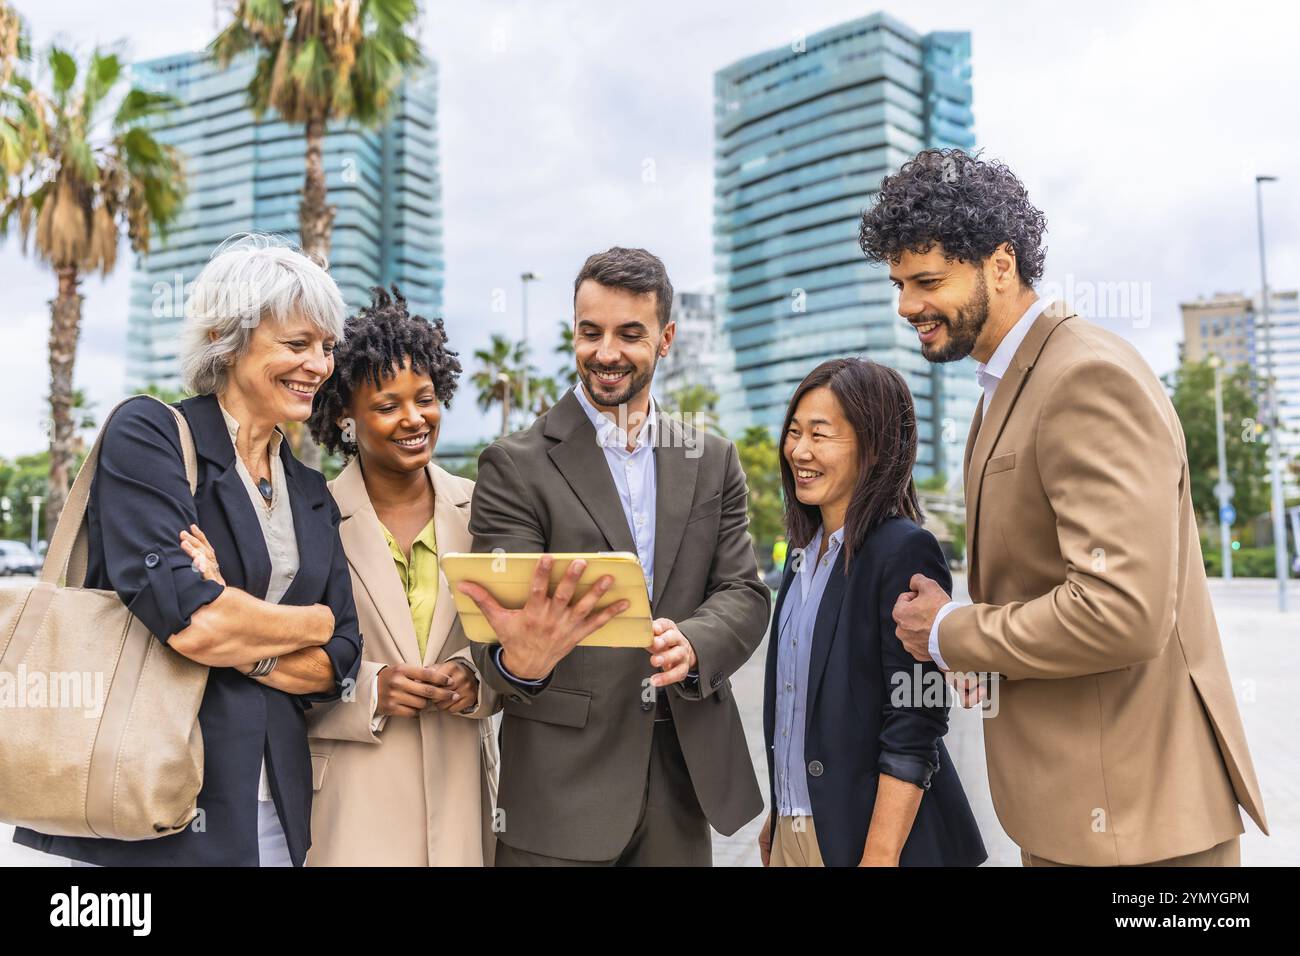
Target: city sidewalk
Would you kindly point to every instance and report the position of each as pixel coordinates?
(1261, 648)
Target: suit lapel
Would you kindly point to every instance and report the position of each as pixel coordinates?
(212, 443)
(773, 641)
(970, 441)
(372, 562)
(582, 463)
(675, 474)
(987, 429)
(451, 529)
(828, 615)
(311, 530)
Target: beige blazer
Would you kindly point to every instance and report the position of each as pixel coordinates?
(421, 792)
(1117, 738)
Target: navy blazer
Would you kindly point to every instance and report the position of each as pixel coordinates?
(861, 717)
(139, 503)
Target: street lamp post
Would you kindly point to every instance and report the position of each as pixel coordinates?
(35, 501)
(1223, 488)
(524, 279)
(1274, 452)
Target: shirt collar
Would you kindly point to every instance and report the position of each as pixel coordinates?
(608, 433)
(832, 545)
(232, 426)
(997, 365)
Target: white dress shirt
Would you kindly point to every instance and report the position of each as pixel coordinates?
(989, 374)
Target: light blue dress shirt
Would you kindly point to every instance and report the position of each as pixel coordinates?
(794, 650)
(634, 477)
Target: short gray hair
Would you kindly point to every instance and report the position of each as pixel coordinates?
(249, 278)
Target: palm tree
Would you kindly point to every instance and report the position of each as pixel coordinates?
(13, 41)
(499, 378)
(85, 183)
(321, 60)
(543, 392)
(19, 126)
(697, 402)
(565, 350)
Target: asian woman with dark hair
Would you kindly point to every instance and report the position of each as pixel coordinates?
(854, 726)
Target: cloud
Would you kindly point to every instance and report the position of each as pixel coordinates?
(1137, 127)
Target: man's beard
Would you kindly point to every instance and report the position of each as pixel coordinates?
(963, 331)
(636, 382)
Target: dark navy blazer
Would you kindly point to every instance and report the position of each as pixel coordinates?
(856, 728)
(139, 503)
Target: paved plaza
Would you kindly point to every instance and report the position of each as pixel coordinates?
(1263, 651)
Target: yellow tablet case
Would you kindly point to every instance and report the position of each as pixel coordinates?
(507, 577)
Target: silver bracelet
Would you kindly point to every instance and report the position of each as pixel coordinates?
(264, 667)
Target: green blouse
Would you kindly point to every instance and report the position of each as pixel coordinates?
(419, 576)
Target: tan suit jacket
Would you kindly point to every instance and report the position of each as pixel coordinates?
(1117, 738)
(421, 792)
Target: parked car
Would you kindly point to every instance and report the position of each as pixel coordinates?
(17, 557)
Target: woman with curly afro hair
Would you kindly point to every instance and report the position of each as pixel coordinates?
(404, 768)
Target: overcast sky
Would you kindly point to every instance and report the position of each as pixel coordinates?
(1137, 127)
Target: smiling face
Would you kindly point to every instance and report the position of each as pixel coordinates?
(281, 369)
(946, 302)
(395, 426)
(822, 451)
(617, 343)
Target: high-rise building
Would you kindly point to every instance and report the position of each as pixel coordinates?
(693, 359)
(246, 175)
(1231, 326)
(804, 134)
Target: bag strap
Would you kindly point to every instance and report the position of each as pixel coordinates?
(70, 544)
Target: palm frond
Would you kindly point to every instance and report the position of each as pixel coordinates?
(102, 74)
(63, 67)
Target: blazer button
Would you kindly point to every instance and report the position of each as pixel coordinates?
(516, 698)
(815, 768)
(151, 560)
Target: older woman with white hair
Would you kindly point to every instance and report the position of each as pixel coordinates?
(246, 575)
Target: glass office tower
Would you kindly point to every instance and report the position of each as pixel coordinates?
(804, 135)
(246, 175)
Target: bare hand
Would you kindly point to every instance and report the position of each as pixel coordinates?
(671, 652)
(914, 613)
(540, 634)
(405, 690)
(457, 687)
(765, 842)
(969, 689)
(874, 857)
(195, 544)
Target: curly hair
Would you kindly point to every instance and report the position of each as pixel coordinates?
(966, 205)
(376, 341)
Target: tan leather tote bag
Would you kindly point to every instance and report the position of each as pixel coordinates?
(99, 731)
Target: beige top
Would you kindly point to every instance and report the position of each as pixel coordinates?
(277, 531)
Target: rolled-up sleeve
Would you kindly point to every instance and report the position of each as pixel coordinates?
(141, 501)
(916, 700)
(344, 648)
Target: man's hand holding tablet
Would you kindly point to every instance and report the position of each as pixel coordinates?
(539, 635)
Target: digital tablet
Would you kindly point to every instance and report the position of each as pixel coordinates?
(508, 577)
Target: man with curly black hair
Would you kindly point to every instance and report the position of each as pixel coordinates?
(1116, 738)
